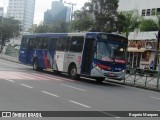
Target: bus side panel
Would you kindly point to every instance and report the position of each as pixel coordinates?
(60, 60)
(30, 57)
(64, 59)
(40, 57)
(73, 58)
(23, 54)
(50, 59)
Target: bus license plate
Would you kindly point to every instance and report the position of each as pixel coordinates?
(111, 74)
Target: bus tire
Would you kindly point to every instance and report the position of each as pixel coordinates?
(35, 65)
(100, 79)
(73, 72)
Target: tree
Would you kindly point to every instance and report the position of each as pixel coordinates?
(105, 13)
(132, 21)
(9, 28)
(121, 23)
(83, 24)
(59, 27)
(148, 25)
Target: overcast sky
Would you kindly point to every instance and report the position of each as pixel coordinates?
(42, 5)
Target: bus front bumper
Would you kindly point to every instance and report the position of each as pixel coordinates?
(108, 74)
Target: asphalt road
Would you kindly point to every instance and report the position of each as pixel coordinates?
(22, 89)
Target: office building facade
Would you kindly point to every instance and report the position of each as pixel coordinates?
(22, 10)
(57, 13)
(148, 9)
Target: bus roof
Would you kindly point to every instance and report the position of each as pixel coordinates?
(86, 34)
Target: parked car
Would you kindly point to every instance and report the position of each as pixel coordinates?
(17, 47)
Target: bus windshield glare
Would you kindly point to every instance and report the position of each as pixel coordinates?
(109, 51)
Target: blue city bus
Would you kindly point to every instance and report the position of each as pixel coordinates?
(91, 54)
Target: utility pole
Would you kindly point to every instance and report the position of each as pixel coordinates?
(157, 50)
(71, 6)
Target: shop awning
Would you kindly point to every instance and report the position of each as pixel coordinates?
(134, 49)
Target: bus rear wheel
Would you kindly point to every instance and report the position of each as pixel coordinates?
(35, 65)
(100, 79)
(73, 72)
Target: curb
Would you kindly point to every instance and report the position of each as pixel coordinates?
(9, 59)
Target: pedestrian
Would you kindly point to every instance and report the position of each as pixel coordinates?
(151, 65)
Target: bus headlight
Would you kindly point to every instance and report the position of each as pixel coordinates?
(123, 70)
(102, 67)
(98, 68)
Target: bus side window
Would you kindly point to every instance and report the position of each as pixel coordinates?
(53, 44)
(31, 43)
(44, 43)
(76, 44)
(63, 44)
(24, 42)
(37, 43)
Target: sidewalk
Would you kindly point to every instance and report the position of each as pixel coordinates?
(8, 58)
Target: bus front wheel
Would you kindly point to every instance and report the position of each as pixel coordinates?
(73, 72)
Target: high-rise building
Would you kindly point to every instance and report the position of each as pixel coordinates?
(1, 11)
(58, 12)
(22, 10)
(1, 14)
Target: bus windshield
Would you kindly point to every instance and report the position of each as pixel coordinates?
(109, 51)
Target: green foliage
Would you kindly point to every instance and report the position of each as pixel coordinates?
(132, 21)
(9, 28)
(83, 24)
(96, 15)
(105, 13)
(148, 25)
(60, 27)
(121, 23)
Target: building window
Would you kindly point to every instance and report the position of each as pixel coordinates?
(148, 12)
(153, 12)
(143, 12)
(158, 11)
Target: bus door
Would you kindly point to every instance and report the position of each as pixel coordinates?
(52, 51)
(87, 56)
(30, 50)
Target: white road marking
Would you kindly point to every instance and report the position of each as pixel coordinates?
(26, 86)
(50, 94)
(73, 87)
(9, 80)
(79, 104)
(57, 79)
(156, 98)
(118, 117)
(45, 76)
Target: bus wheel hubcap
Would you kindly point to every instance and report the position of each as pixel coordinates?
(73, 72)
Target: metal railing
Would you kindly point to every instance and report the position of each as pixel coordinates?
(149, 79)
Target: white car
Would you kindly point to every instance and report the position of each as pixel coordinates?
(17, 47)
